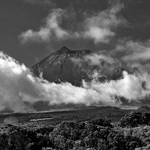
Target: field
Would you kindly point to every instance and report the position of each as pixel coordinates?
(53, 118)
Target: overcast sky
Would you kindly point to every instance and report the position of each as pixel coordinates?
(32, 29)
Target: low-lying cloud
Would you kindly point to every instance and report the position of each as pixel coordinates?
(19, 89)
(101, 65)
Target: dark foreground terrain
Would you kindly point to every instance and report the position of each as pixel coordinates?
(96, 128)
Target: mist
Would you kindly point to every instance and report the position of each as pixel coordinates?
(19, 89)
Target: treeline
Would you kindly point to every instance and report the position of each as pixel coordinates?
(132, 132)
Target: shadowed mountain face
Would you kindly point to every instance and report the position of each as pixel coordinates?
(73, 66)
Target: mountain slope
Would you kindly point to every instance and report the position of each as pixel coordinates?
(73, 66)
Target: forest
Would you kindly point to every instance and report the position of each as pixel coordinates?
(130, 132)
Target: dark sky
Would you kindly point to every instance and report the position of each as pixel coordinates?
(32, 29)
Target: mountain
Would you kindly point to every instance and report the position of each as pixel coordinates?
(73, 66)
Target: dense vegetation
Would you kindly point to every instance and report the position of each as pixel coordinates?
(131, 132)
(135, 119)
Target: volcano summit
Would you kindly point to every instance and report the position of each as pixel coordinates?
(74, 66)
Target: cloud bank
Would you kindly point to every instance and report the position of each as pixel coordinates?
(98, 27)
(19, 89)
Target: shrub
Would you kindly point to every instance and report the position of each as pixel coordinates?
(135, 119)
(101, 122)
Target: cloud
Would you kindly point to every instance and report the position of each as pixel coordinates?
(97, 59)
(51, 29)
(134, 51)
(129, 87)
(98, 27)
(19, 89)
(98, 34)
(135, 55)
(101, 66)
(139, 51)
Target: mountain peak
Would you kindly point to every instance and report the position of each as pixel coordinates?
(61, 66)
(64, 49)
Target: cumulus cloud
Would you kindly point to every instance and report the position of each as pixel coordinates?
(99, 27)
(129, 87)
(19, 89)
(18, 86)
(98, 34)
(51, 29)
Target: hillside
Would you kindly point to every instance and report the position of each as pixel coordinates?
(73, 66)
